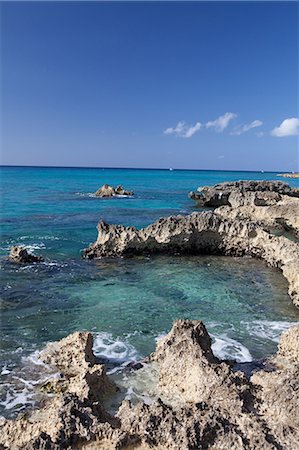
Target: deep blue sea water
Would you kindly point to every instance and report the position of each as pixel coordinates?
(127, 303)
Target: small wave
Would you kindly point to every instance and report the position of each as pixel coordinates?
(86, 194)
(37, 246)
(92, 195)
(227, 348)
(266, 329)
(42, 238)
(5, 370)
(23, 384)
(117, 352)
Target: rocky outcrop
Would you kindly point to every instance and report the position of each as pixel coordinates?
(284, 214)
(20, 255)
(288, 348)
(200, 233)
(80, 372)
(244, 192)
(289, 175)
(277, 393)
(201, 402)
(110, 191)
(209, 380)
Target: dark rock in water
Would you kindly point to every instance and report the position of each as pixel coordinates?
(110, 191)
(19, 254)
(263, 193)
(119, 190)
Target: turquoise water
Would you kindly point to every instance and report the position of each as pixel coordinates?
(127, 303)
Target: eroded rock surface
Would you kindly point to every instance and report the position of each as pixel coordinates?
(20, 255)
(239, 193)
(80, 373)
(283, 214)
(110, 191)
(201, 402)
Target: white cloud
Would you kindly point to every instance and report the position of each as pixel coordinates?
(288, 127)
(240, 129)
(222, 122)
(184, 130)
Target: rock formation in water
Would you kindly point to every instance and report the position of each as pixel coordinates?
(270, 204)
(283, 215)
(201, 402)
(263, 193)
(80, 371)
(110, 191)
(289, 175)
(20, 255)
(201, 233)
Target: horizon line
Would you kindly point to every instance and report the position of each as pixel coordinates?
(142, 168)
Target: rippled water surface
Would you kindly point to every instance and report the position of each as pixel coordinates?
(127, 303)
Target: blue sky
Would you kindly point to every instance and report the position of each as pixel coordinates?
(182, 85)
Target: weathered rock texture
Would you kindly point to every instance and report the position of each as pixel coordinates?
(110, 191)
(205, 232)
(262, 193)
(80, 373)
(203, 403)
(20, 255)
(283, 214)
(270, 204)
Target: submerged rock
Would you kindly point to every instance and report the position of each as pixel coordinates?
(203, 404)
(110, 191)
(20, 255)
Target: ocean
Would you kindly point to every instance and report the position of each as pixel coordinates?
(126, 303)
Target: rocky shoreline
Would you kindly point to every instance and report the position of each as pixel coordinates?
(242, 225)
(199, 401)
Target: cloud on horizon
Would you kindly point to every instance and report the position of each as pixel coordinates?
(240, 129)
(222, 122)
(184, 130)
(288, 127)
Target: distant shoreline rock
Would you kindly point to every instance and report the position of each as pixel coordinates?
(270, 204)
(261, 193)
(107, 191)
(20, 255)
(289, 175)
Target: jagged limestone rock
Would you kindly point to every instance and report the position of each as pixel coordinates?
(214, 408)
(110, 191)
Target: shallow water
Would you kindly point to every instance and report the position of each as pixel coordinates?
(127, 303)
